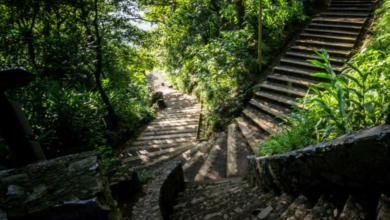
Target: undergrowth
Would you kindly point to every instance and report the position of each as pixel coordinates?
(356, 99)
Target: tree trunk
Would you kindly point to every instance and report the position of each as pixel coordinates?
(240, 12)
(260, 40)
(98, 71)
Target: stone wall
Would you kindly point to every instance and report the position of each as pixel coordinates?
(71, 187)
(161, 193)
(357, 161)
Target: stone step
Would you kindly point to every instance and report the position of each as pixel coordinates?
(149, 156)
(278, 98)
(274, 110)
(153, 128)
(325, 208)
(237, 152)
(253, 135)
(342, 4)
(336, 27)
(349, 21)
(205, 204)
(167, 132)
(360, 206)
(345, 14)
(190, 136)
(329, 37)
(177, 123)
(332, 32)
(215, 165)
(151, 148)
(198, 188)
(158, 142)
(164, 158)
(306, 65)
(349, 9)
(259, 202)
(176, 120)
(275, 207)
(265, 122)
(313, 56)
(287, 90)
(193, 164)
(299, 209)
(292, 80)
(331, 52)
(325, 44)
(383, 208)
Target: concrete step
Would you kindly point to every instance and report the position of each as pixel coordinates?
(147, 157)
(155, 142)
(215, 165)
(332, 52)
(265, 122)
(338, 27)
(287, 80)
(277, 98)
(360, 206)
(307, 65)
(237, 152)
(351, 40)
(325, 208)
(195, 162)
(258, 203)
(325, 44)
(299, 209)
(383, 208)
(345, 14)
(163, 158)
(168, 132)
(341, 33)
(191, 136)
(253, 135)
(274, 110)
(282, 89)
(349, 21)
(312, 56)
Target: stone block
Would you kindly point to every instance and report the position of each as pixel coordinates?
(70, 187)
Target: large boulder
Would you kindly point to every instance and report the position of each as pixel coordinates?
(72, 187)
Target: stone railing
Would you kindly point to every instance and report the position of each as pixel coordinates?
(359, 161)
(71, 187)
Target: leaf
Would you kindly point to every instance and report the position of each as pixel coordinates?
(318, 63)
(322, 75)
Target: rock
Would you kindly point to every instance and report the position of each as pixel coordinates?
(15, 193)
(3, 215)
(263, 214)
(161, 104)
(156, 96)
(70, 187)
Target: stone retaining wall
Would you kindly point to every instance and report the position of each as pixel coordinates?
(357, 161)
(71, 187)
(161, 193)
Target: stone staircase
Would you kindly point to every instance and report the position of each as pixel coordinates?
(214, 169)
(337, 30)
(234, 198)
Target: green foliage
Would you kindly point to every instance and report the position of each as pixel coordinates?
(74, 47)
(206, 49)
(356, 99)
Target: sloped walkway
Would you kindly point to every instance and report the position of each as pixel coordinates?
(171, 134)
